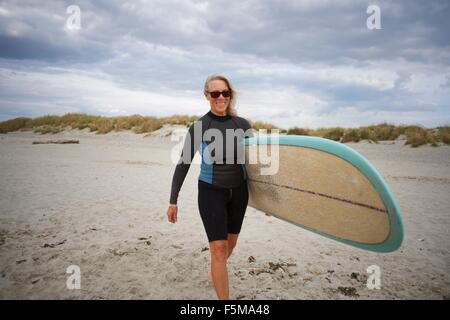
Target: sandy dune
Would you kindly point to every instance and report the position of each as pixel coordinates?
(101, 205)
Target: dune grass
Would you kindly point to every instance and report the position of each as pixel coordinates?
(412, 134)
(14, 124)
(351, 135)
(98, 124)
(444, 134)
(298, 131)
(259, 125)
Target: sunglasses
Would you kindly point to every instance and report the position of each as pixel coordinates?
(216, 94)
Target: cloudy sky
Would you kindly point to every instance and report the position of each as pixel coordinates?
(308, 63)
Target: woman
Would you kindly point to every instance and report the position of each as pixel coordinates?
(222, 185)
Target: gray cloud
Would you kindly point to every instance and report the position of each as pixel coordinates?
(308, 51)
(325, 30)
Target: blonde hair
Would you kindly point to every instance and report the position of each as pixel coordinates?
(231, 110)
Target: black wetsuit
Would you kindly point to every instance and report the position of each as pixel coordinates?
(222, 185)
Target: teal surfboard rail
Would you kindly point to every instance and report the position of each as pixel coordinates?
(395, 238)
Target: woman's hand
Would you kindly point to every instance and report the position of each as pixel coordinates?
(172, 212)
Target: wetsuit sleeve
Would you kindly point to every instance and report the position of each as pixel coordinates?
(190, 147)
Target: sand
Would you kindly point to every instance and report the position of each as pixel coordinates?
(101, 205)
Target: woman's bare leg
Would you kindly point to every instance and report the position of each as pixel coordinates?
(219, 272)
(220, 252)
(232, 240)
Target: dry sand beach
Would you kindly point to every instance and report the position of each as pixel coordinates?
(101, 205)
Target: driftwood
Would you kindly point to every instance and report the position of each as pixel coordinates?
(61, 141)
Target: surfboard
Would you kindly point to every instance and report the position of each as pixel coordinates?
(325, 187)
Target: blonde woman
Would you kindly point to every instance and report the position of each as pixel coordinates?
(222, 184)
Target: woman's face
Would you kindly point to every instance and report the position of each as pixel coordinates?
(218, 105)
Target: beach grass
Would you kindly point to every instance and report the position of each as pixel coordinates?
(14, 124)
(99, 124)
(298, 131)
(331, 133)
(260, 125)
(413, 135)
(444, 134)
(351, 135)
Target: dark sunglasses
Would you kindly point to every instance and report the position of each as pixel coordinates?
(216, 94)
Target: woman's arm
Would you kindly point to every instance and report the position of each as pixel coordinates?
(189, 149)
